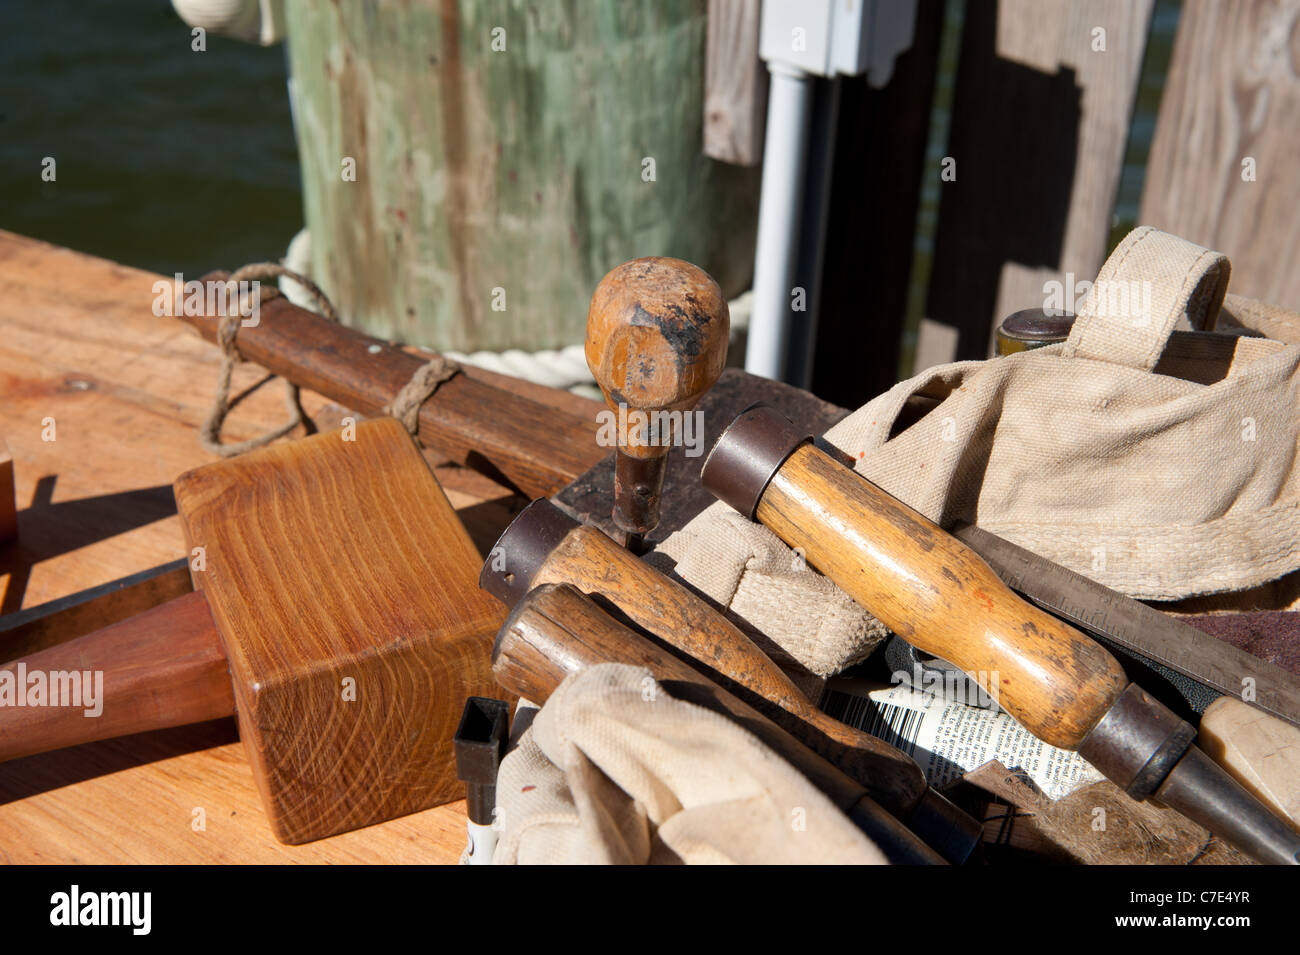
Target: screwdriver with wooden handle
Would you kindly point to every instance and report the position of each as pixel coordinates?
(656, 342)
(543, 545)
(556, 630)
(940, 596)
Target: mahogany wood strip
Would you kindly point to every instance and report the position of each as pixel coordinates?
(162, 668)
(24, 632)
(344, 588)
(940, 596)
(537, 448)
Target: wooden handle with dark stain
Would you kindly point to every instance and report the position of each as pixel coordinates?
(535, 447)
(161, 668)
(556, 630)
(594, 564)
(940, 596)
(656, 341)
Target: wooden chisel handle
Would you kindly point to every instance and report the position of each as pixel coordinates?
(581, 555)
(921, 582)
(161, 668)
(556, 631)
(595, 564)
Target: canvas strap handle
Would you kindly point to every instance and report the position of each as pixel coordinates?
(1152, 284)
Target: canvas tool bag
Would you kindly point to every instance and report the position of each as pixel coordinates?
(614, 770)
(1146, 452)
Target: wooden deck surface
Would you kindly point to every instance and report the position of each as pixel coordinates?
(84, 361)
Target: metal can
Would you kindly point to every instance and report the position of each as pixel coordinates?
(1032, 328)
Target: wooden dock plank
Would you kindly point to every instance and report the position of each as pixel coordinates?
(1222, 168)
(79, 343)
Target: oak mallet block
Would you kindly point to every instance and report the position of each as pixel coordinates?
(344, 589)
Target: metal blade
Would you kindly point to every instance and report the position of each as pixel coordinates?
(1136, 628)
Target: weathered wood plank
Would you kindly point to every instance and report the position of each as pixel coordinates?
(505, 146)
(735, 84)
(79, 343)
(1223, 162)
(1040, 120)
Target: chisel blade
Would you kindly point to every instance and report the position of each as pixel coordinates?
(1135, 628)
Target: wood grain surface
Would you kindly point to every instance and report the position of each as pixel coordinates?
(162, 668)
(1259, 750)
(346, 593)
(1222, 167)
(735, 84)
(1040, 119)
(589, 561)
(937, 594)
(79, 342)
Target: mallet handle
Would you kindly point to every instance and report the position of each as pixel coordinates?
(161, 668)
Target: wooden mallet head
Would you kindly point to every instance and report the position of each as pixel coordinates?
(656, 342)
(336, 614)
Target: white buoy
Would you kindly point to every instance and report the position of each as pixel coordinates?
(253, 21)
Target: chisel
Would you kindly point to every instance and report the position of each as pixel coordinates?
(1162, 642)
(939, 595)
(545, 546)
(556, 630)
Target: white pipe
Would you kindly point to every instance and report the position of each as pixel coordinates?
(780, 207)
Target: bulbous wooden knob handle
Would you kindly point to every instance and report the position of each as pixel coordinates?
(656, 337)
(656, 342)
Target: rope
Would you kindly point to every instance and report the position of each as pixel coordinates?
(405, 406)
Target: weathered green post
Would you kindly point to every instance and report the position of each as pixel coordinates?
(471, 169)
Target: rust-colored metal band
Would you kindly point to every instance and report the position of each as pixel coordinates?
(747, 455)
(522, 548)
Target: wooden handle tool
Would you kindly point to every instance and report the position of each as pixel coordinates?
(535, 447)
(656, 342)
(940, 596)
(556, 630)
(545, 546)
(1260, 751)
(336, 615)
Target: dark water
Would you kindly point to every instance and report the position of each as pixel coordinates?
(167, 159)
(175, 160)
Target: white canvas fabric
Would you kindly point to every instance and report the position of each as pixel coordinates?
(613, 770)
(1146, 452)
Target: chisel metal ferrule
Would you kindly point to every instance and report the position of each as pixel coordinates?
(1137, 742)
(737, 472)
(522, 548)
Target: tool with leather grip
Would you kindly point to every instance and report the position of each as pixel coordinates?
(656, 341)
(545, 546)
(556, 630)
(940, 596)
